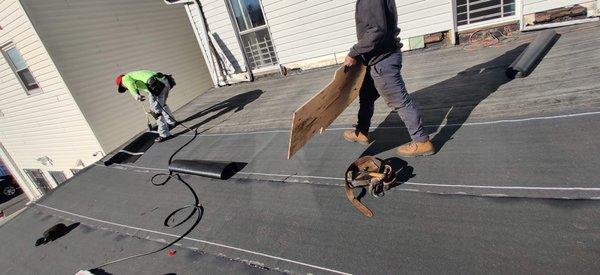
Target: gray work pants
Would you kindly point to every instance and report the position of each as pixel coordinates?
(385, 79)
(165, 113)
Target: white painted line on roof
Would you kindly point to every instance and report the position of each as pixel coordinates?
(244, 133)
(197, 240)
(403, 127)
(406, 183)
(289, 176)
(438, 185)
(140, 167)
(506, 187)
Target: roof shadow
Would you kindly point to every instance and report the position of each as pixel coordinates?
(56, 232)
(235, 104)
(449, 102)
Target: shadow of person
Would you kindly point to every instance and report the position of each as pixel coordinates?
(235, 104)
(56, 232)
(449, 102)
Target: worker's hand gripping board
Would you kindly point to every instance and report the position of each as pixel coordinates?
(323, 108)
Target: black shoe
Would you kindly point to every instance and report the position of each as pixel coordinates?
(161, 139)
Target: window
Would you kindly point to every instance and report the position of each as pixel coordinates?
(58, 176)
(248, 14)
(473, 11)
(75, 171)
(259, 49)
(38, 179)
(19, 66)
(254, 33)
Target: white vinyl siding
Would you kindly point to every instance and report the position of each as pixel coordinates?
(48, 123)
(303, 30)
(221, 31)
(306, 29)
(421, 17)
(92, 41)
(533, 6)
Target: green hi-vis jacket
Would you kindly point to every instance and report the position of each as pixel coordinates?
(135, 81)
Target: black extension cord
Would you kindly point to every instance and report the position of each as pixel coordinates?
(196, 206)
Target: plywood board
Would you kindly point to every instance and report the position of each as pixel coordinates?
(323, 108)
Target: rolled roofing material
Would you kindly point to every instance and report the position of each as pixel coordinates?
(204, 168)
(523, 65)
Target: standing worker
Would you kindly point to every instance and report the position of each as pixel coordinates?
(379, 48)
(157, 87)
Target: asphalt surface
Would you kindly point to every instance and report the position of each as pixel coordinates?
(87, 246)
(512, 189)
(537, 155)
(299, 225)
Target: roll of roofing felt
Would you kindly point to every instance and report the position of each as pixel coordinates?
(204, 168)
(523, 65)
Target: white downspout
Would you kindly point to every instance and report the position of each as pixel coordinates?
(207, 56)
(520, 7)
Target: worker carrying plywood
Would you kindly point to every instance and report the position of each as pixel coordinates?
(157, 87)
(379, 48)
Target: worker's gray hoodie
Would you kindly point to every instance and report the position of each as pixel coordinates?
(377, 30)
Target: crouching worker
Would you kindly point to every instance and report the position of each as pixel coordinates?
(156, 86)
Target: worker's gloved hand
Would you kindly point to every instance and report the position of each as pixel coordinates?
(140, 97)
(349, 61)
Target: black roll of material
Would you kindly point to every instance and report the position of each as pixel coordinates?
(204, 168)
(523, 65)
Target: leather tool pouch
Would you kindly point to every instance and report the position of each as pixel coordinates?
(155, 86)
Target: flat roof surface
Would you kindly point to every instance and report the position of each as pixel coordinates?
(513, 187)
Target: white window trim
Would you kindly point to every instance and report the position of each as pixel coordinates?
(32, 180)
(512, 18)
(7, 46)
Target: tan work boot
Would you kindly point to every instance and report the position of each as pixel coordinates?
(415, 149)
(356, 136)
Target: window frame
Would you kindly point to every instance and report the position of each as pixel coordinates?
(468, 21)
(54, 178)
(4, 49)
(43, 189)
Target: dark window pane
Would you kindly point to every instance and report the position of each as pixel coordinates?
(58, 176)
(248, 13)
(509, 8)
(255, 12)
(27, 79)
(239, 16)
(483, 10)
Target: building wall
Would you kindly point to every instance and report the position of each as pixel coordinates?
(92, 41)
(533, 6)
(222, 32)
(48, 123)
(308, 29)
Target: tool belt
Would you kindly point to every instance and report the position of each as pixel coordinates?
(368, 172)
(156, 85)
